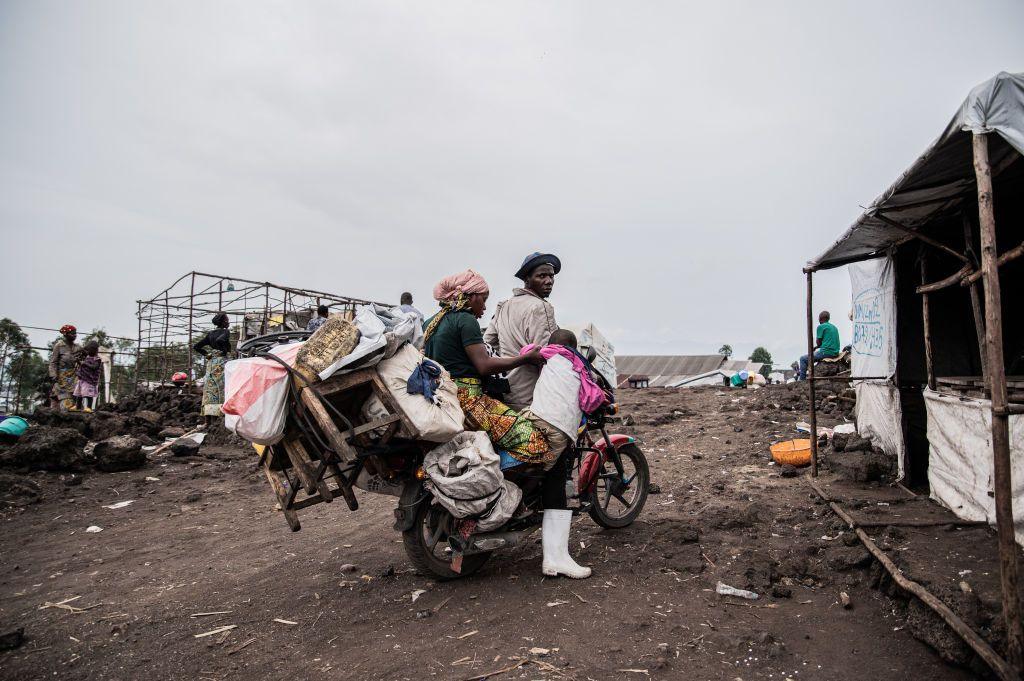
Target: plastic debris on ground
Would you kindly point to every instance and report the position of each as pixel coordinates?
(726, 590)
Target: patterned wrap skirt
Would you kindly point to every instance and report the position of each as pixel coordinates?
(513, 435)
(213, 384)
(64, 387)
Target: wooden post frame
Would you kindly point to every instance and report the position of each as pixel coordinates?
(928, 354)
(810, 374)
(979, 318)
(1000, 414)
(191, 322)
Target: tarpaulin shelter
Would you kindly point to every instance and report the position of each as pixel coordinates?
(937, 351)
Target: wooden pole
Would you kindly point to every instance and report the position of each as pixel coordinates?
(961, 628)
(926, 239)
(1000, 414)
(928, 361)
(979, 320)
(191, 305)
(810, 375)
(138, 345)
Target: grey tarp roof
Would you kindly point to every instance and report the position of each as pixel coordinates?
(663, 370)
(941, 177)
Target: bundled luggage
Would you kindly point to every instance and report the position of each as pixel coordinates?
(466, 479)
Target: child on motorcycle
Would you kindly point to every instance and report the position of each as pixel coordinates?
(564, 392)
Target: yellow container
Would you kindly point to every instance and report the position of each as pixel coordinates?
(793, 452)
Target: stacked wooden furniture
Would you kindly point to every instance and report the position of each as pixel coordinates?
(324, 464)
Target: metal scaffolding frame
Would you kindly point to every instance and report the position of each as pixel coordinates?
(172, 321)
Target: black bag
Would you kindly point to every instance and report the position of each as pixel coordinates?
(497, 387)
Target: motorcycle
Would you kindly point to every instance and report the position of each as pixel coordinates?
(608, 478)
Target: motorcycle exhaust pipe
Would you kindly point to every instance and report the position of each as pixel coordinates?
(482, 543)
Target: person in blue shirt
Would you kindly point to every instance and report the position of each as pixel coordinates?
(827, 342)
(321, 316)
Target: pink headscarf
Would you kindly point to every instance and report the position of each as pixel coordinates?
(468, 282)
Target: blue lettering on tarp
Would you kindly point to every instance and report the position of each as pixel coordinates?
(868, 330)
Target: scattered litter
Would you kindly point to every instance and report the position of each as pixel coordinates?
(150, 478)
(94, 529)
(726, 590)
(120, 504)
(281, 621)
(207, 614)
(417, 593)
(844, 598)
(468, 634)
(218, 630)
(554, 603)
(63, 605)
(240, 646)
(539, 651)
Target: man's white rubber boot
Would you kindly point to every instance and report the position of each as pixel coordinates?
(555, 540)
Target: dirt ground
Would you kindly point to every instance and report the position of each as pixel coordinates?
(201, 536)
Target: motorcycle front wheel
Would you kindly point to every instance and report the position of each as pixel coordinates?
(426, 544)
(617, 499)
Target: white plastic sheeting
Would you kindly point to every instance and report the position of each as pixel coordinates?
(879, 416)
(960, 462)
(873, 287)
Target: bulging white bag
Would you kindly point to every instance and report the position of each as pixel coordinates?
(433, 422)
(465, 477)
(255, 393)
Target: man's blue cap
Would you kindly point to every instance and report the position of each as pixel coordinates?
(535, 260)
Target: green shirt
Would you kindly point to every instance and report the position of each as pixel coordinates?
(447, 346)
(828, 334)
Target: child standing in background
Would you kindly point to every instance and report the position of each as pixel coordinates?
(88, 374)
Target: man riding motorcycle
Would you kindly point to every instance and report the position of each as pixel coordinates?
(453, 339)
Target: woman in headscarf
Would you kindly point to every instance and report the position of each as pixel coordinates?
(63, 362)
(215, 346)
(453, 339)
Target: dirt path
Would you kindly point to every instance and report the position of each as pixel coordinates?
(205, 538)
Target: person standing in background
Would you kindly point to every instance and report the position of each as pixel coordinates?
(88, 373)
(318, 321)
(407, 306)
(63, 361)
(215, 346)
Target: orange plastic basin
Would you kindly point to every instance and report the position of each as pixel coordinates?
(793, 452)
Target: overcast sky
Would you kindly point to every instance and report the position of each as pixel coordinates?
(683, 159)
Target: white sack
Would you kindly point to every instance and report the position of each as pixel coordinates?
(960, 458)
(465, 478)
(433, 422)
(255, 393)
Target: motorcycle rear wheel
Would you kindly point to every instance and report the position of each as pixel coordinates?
(617, 501)
(426, 544)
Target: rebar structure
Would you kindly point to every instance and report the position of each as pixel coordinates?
(173, 320)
